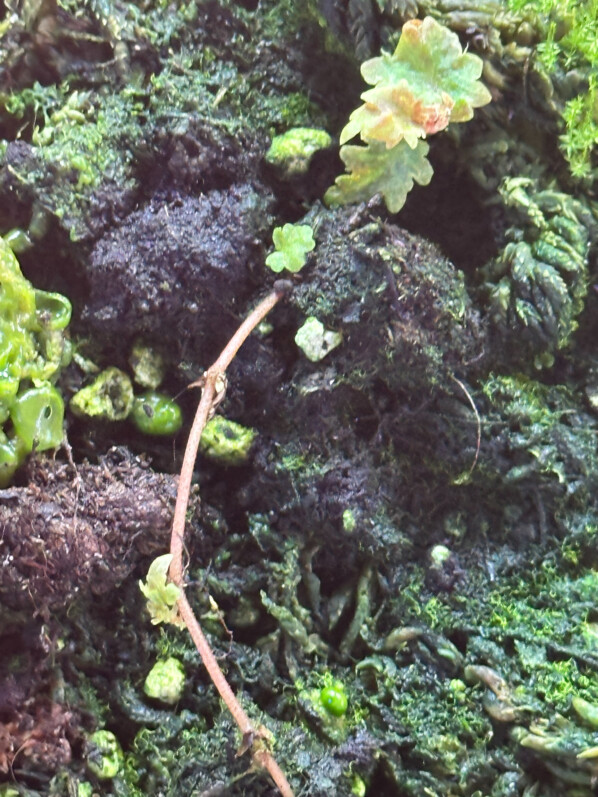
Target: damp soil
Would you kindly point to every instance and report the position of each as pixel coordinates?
(381, 532)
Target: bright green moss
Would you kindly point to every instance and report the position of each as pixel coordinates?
(292, 151)
(165, 681)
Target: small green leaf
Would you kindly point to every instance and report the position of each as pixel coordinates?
(161, 594)
(375, 169)
(292, 243)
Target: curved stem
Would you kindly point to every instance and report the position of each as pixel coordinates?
(261, 758)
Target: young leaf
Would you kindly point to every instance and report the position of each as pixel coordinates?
(426, 83)
(375, 169)
(161, 595)
(292, 243)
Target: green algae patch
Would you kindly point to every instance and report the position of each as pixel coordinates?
(226, 442)
(291, 153)
(108, 398)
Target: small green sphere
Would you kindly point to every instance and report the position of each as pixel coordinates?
(157, 414)
(334, 699)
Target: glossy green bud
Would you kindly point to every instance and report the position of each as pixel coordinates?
(53, 310)
(334, 699)
(18, 240)
(11, 456)
(37, 416)
(155, 413)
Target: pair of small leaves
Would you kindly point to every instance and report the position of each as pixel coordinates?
(426, 83)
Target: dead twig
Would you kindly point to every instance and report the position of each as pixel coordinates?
(213, 384)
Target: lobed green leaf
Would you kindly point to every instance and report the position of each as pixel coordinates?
(292, 242)
(376, 169)
(426, 83)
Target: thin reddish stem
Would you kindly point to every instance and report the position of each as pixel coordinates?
(261, 758)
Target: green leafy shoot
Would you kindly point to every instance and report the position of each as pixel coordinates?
(292, 243)
(161, 595)
(375, 169)
(424, 85)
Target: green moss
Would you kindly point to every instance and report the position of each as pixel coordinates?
(292, 151)
(83, 141)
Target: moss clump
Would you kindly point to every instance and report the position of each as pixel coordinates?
(165, 681)
(291, 152)
(105, 758)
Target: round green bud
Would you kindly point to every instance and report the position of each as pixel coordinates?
(165, 681)
(334, 699)
(439, 556)
(37, 416)
(155, 413)
(105, 758)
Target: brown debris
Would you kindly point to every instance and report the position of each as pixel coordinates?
(66, 532)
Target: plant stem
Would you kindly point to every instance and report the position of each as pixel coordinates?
(261, 758)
